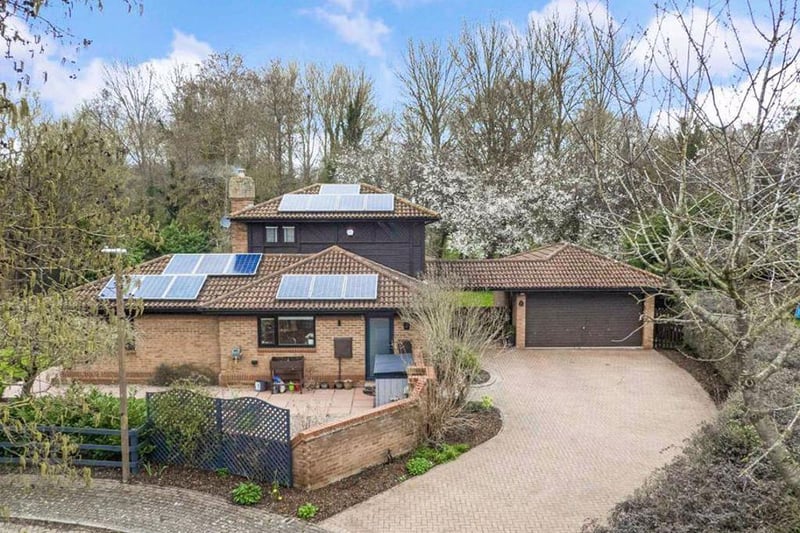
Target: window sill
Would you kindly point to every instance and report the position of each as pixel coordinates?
(287, 349)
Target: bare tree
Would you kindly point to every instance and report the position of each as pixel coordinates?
(344, 103)
(128, 108)
(487, 113)
(431, 82)
(720, 220)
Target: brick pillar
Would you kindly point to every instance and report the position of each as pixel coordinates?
(241, 194)
(520, 302)
(648, 325)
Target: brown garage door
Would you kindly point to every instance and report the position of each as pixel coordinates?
(582, 319)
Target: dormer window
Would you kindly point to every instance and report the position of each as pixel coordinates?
(271, 234)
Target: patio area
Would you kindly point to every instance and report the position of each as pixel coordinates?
(309, 408)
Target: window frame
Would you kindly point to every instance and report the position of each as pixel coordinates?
(267, 232)
(294, 234)
(277, 343)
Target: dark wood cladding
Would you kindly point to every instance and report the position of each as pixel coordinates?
(398, 244)
(582, 319)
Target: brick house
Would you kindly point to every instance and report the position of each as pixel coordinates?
(337, 262)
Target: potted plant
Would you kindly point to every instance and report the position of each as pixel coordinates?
(323, 384)
(339, 384)
(348, 384)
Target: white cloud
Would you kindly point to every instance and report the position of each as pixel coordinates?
(353, 25)
(568, 10)
(669, 37)
(739, 103)
(64, 86)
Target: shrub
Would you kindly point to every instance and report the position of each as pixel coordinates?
(246, 494)
(487, 402)
(440, 454)
(476, 406)
(78, 407)
(184, 418)
(416, 466)
(166, 375)
(307, 511)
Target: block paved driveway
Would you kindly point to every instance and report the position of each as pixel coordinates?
(582, 429)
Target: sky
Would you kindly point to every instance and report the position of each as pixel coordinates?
(367, 33)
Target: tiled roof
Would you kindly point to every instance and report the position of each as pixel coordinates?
(394, 288)
(269, 209)
(561, 266)
(214, 287)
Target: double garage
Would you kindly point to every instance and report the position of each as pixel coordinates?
(581, 319)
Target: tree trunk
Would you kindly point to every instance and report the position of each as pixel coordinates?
(778, 454)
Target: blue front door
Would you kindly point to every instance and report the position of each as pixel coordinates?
(379, 340)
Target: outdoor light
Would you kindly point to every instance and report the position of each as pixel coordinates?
(123, 380)
(350, 232)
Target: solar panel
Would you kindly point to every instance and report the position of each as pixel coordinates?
(339, 188)
(379, 202)
(351, 202)
(182, 264)
(185, 287)
(327, 287)
(324, 202)
(361, 287)
(294, 287)
(347, 200)
(244, 264)
(294, 202)
(157, 287)
(150, 287)
(214, 263)
(109, 291)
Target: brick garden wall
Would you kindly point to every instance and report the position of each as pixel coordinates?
(334, 451)
(170, 339)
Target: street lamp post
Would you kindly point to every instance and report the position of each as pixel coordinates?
(123, 379)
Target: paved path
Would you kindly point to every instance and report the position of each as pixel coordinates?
(582, 429)
(108, 505)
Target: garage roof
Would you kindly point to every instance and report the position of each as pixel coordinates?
(559, 266)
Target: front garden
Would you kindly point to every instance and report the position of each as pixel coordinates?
(88, 408)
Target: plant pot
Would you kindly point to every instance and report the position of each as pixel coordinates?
(339, 384)
(348, 384)
(323, 384)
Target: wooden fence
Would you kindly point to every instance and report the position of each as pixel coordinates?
(8, 455)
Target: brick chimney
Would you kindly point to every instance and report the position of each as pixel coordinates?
(241, 191)
(242, 194)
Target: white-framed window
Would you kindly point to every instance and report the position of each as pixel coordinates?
(271, 234)
(288, 234)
